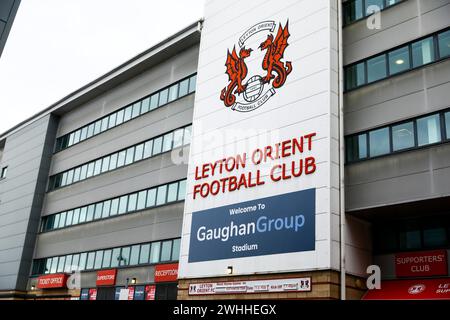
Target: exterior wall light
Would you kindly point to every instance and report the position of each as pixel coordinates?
(230, 270)
(133, 281)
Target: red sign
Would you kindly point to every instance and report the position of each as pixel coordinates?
(52, 281)
(418, 289)
(92, 294)
(421, 264)
(150, 292)
(106, 277)
(130, 293)
(166, 272)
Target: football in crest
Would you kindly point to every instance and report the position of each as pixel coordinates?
(254, 88)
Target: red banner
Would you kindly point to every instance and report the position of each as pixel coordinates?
(150, 292)
(106, 277)
(130, 293)
(421, 264)
(166, 272)
(52, 281)
(92, 294)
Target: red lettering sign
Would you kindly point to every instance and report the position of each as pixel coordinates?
(106, 277)
(52, 281)
(150, 292)
(421, 264)
(166, 272)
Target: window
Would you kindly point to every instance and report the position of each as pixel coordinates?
(120, 115)
(403, 136)
(157, 145)
(187, 135)
(422, 52)
(83, 172)
(166, 251)
(62, 220)
(90, 132)
(76, 216)
(161, 195)
(104, 124)
(377, 3)
(173, 92)
(90, 170)
(154, 254)
(76, 137)
(167, 144)
(410, 240)
(178, 138)
(83, 260)
(355, 76)
(97, 127)
(163, 96)
(428, 130)
(128, 112)
(192, 83)
(125, 256)
(148, 149)
(61, 264)
(113, 162)
(90, 260)
(132, 202)
(182, 190)
(151, 198)
(184, 87)
(145, 105)
(130, 156)
(115, 258)
(4, 171)
(447, 124)
(83, 213)
(112, 121)
(145, 254)
(136, 110)
(154, 101)
(106, 208)
(353, 10)
(357, 147)
(176, 250)
(444, 44)
(105, 164)
(121, 159)
(142, 197)
(379, 142)
(399, 60)
(139, 152)
(76, 175)
(376, 68)
(172, 194)
(434, 237)
(106, 258)
(75, 262)
(134, 257)
(98, 259)
(83, 134)
(69, 217)
(90, 212)
(97, 167)
(123, 204)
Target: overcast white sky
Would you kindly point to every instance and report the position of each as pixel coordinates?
(57, 46)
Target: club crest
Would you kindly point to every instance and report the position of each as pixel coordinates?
(244, 92)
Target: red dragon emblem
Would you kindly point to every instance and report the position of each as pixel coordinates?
(258, 89)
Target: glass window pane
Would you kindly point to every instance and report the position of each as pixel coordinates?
(142, 197)
(176, 250)
(68, 266)
(82, 263)
(157, 145)
(356, 147)
(379, 142)
(97, 167)
(173, 92)
(178, 138)
(69, 218)
(98, 259)
(97, 127)
(114, 207)
(90, 213)
(145, 253)
(76, 174)
(154, 255)
(106, 208)
(148, 149)
(104, 124)
(355, 76)
(61, 264)
(353, 10)
(182, 190)
(444, 44)
(121, 158)
(447, 124)
(130, 155)
(173, 192)
(410, 240)
(105, 164)
(76, 137)
(125, 256)
(132, 201)
(376, 68)
(70, 177)
(90, 170)
(392, 2)
(113, 162)
(134, 257)
(192, 83)
(119, 119)
(151, 198)
(64, 179)
(76, 216)
(166, 251)
(128, 112)
(83, 213)
(435, 237)
(54, 266)
(115, 257)
(161, 195)
(123, 204)
(139, 152)
(106, 259)
(98, 210)
(184, 87)
(429, 130)
(90, 131)
(75, 262)
(112, 120)
(145, 105)
(154, 101)
(83, 172)
(83, 134)
(62, 220)
(56, 222)
(90, 260)
(187, 135)
(403, 136)
(377, 3)
(71, 139)
(136, 110)
(423, 52)
(167, 142)
(163, 96)
(399, 60)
